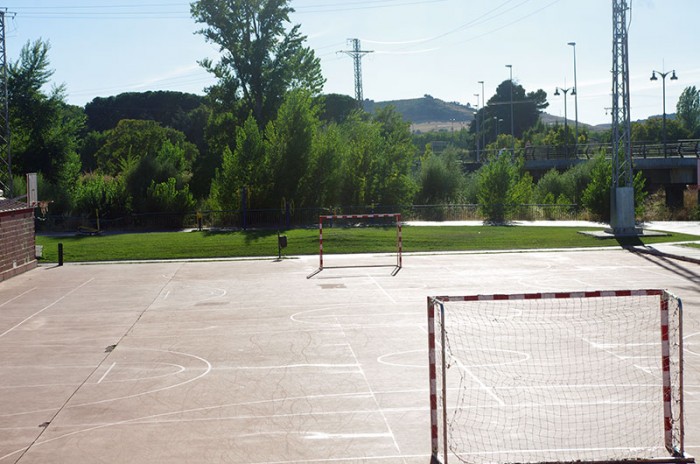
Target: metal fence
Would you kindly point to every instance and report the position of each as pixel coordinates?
(289, 218)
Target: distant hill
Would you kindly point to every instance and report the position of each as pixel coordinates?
(426, 109)
(432, 114)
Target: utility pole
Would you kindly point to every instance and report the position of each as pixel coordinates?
(5, 152)
(622, 188)
(357, 53)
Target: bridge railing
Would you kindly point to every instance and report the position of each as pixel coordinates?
(685, 148)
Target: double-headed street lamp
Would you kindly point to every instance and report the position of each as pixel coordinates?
(575, 94)
(567, 90)
(663, 85)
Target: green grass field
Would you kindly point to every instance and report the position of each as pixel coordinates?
(205, 244)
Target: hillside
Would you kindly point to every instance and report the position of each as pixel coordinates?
(426, 109)
(432, 114)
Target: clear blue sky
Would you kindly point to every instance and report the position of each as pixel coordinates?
(437, 47)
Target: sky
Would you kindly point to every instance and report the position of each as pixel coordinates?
(441, 48)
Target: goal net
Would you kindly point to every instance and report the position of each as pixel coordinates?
(556, 377)
(353, 232)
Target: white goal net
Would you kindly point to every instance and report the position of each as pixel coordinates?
(559, 377)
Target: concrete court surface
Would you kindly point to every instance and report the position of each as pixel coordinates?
(251, 362)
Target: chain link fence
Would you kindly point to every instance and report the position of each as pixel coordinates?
(289, 218)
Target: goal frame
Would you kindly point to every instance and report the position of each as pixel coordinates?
(331, 217)
(438, 429)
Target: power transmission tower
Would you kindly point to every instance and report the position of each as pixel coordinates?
(357, 53)
(5, 152)
(622, 191)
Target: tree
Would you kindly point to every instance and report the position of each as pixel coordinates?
(688, 110)
(290, 143)
(262, 56)
(651, 130)
(596, 196)
(441, 178)
(335, 107)
(527, 107)
(500, 187)
(44, 128)
(168, 108)
(133, 140)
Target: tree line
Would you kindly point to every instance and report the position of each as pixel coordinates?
(265, 133)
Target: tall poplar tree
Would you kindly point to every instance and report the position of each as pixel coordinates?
(262, 55)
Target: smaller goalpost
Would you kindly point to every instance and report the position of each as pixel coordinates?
(332, 217)
(585, 377)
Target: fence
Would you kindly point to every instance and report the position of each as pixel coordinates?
(289, 218)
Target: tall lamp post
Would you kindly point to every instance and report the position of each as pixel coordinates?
(483, 115)
(512, 122)
(566, 121)
(476, 120)
(575, 93)
(663, 85)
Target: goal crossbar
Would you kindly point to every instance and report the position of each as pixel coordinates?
(441, 343)
(332, 217)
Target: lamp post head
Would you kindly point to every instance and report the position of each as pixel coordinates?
(573, 91)
(653, 76)
(673, 76)
(573, 44)
(556, 92)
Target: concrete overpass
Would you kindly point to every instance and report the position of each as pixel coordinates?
(674, 167)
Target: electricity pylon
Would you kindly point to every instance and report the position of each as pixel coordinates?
(5, 152)
(622, 188)
(357, 53)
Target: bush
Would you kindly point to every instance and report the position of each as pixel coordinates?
(105, 194)
(500, 187)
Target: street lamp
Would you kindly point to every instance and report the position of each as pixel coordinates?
(476, 119)
(496, 123)
(567, 90)
(483, 115)
(663, 85)
(512, 125)
(575, 94)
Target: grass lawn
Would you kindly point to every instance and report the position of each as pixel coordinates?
(206, 244)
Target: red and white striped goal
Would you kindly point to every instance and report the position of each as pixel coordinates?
(360, 217)
(557, 377)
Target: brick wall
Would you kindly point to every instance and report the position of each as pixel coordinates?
(17, 253)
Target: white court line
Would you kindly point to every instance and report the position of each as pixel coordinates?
(374, 396)
(382, 289)
(46, 307)
(18, 296)
(169, 387)
(477, 380)
(192, 410)
(107, 372)
(284, 366)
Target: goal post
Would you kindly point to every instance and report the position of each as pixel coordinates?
(363, 217)
(594, 376)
